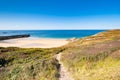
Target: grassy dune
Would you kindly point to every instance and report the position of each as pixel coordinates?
(28, 64)
(95, 57)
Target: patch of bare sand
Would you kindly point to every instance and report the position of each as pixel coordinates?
(33, 43)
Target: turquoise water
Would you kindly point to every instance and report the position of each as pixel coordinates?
(51, 33)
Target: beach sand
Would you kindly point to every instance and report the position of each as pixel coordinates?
(33, 43)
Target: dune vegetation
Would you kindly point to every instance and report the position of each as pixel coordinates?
(94, 57)
(28, 64)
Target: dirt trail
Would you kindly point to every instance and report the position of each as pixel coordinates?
(64, 74)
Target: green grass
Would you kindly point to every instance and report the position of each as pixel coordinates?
(91, 58)
(28, 64)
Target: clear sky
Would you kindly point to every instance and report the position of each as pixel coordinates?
(59, 14)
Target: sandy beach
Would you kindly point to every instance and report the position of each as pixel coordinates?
(33, 42)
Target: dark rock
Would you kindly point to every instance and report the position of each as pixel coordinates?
(14, 36)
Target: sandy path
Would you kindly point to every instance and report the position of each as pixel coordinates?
(64, 74)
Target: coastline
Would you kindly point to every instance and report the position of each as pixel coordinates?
(34, 42)
(44, 42)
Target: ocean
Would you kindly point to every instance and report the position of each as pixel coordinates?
(63, 34)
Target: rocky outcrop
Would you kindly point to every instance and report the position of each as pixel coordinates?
(72, 39)
(14, 36)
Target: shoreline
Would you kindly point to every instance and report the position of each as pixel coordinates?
(34, 42)
(31, 37)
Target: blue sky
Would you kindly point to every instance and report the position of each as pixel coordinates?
(59, 14)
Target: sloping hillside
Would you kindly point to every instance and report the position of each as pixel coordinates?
(28, 64)
(95, 57)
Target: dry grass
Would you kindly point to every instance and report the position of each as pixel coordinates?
(91, 58)
(28, 64)
(94, 58)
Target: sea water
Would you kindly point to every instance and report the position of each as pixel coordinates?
(51, 33)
